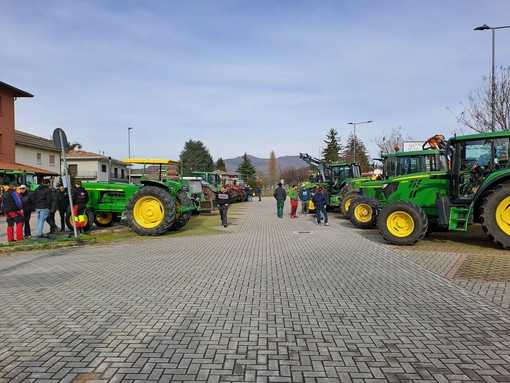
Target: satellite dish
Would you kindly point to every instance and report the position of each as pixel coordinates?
(60, 139)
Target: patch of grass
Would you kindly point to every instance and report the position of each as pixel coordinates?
(200, 224)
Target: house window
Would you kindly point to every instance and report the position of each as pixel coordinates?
(122, 174)
(103, 168)
(38, 159)
(73, 170)
(52, 160)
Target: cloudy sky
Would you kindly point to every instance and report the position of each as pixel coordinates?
(244, 75)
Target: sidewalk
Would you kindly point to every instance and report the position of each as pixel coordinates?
(269, 300)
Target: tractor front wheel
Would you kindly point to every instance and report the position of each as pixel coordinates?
(89, 219)
(150, 211)
(105, 219)
(402, 223)
(495, 215)
(363, 212)
(346, 203)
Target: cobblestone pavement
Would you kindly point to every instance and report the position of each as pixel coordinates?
(270, 300)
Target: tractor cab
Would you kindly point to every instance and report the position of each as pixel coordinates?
(477, 161)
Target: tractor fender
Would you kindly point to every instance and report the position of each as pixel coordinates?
(487, 186)
(156, 184)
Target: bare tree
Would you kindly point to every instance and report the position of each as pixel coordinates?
(391, 143)
(294, 176)
(272, 169)
(478, 115)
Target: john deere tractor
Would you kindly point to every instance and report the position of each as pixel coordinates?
(158, 204)
(364, 209)
(333, 176)
(476, 189)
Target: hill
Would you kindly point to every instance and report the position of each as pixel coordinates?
(262, 163)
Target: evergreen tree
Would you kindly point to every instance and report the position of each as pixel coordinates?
(196, 157)
(361, 156)
(272, 168)
(246, 169)
(220, 165)
(333, 147)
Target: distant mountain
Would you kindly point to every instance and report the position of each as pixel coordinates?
(262, 163)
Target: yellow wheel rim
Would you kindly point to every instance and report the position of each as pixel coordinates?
(363, 213)
(348, 204)
(104, 218)
(400, 224)
(148, 212)
(503, 215)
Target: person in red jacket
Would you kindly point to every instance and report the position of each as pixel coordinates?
(80, 199)
(12, 206)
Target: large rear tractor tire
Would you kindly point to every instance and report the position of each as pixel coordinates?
(346, 203)
(105, 219)
(363, 212)
(89, 219)
(402, 223)
(182, 219)
(150, 211)
(495, 215)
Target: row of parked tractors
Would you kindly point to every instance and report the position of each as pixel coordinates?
(448, 185)
(161, 201)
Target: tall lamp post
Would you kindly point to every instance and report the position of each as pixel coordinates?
(493, 79)
(129, 153)
(354, 141)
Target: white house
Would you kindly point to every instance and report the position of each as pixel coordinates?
(37, 152)
(88, 166)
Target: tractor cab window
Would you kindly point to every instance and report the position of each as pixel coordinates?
(30, 180)
(476, 160)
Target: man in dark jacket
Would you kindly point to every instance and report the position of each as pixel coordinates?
(12, 207)
(80, 199)
(320, 201)
(281, 195)
(27, 209)
(41, 199)
(53, 209)
(63, 204)
(223, 198)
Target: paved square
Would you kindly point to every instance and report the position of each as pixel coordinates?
(271, 300)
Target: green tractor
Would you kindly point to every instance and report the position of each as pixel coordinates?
(21, 177)
(364, 208)
(333, 177)
(476, 189)
(158, 204)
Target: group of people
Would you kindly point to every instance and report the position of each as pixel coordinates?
(318, 197)
(45, 202)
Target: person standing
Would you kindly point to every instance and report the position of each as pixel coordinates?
(80, 199)
(63, 204)
(304, 196)
(27, 209)
(259, 192)
(223, 198)
(12, 207)
(319, 200)
(41, 199)
(53, 209)
(280, 195)
(294, 201)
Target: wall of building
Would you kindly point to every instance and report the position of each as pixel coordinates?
(28, 156)
(7, 148)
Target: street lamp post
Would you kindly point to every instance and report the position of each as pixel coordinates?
(493, 79)
(354, 140)
(129, 153)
